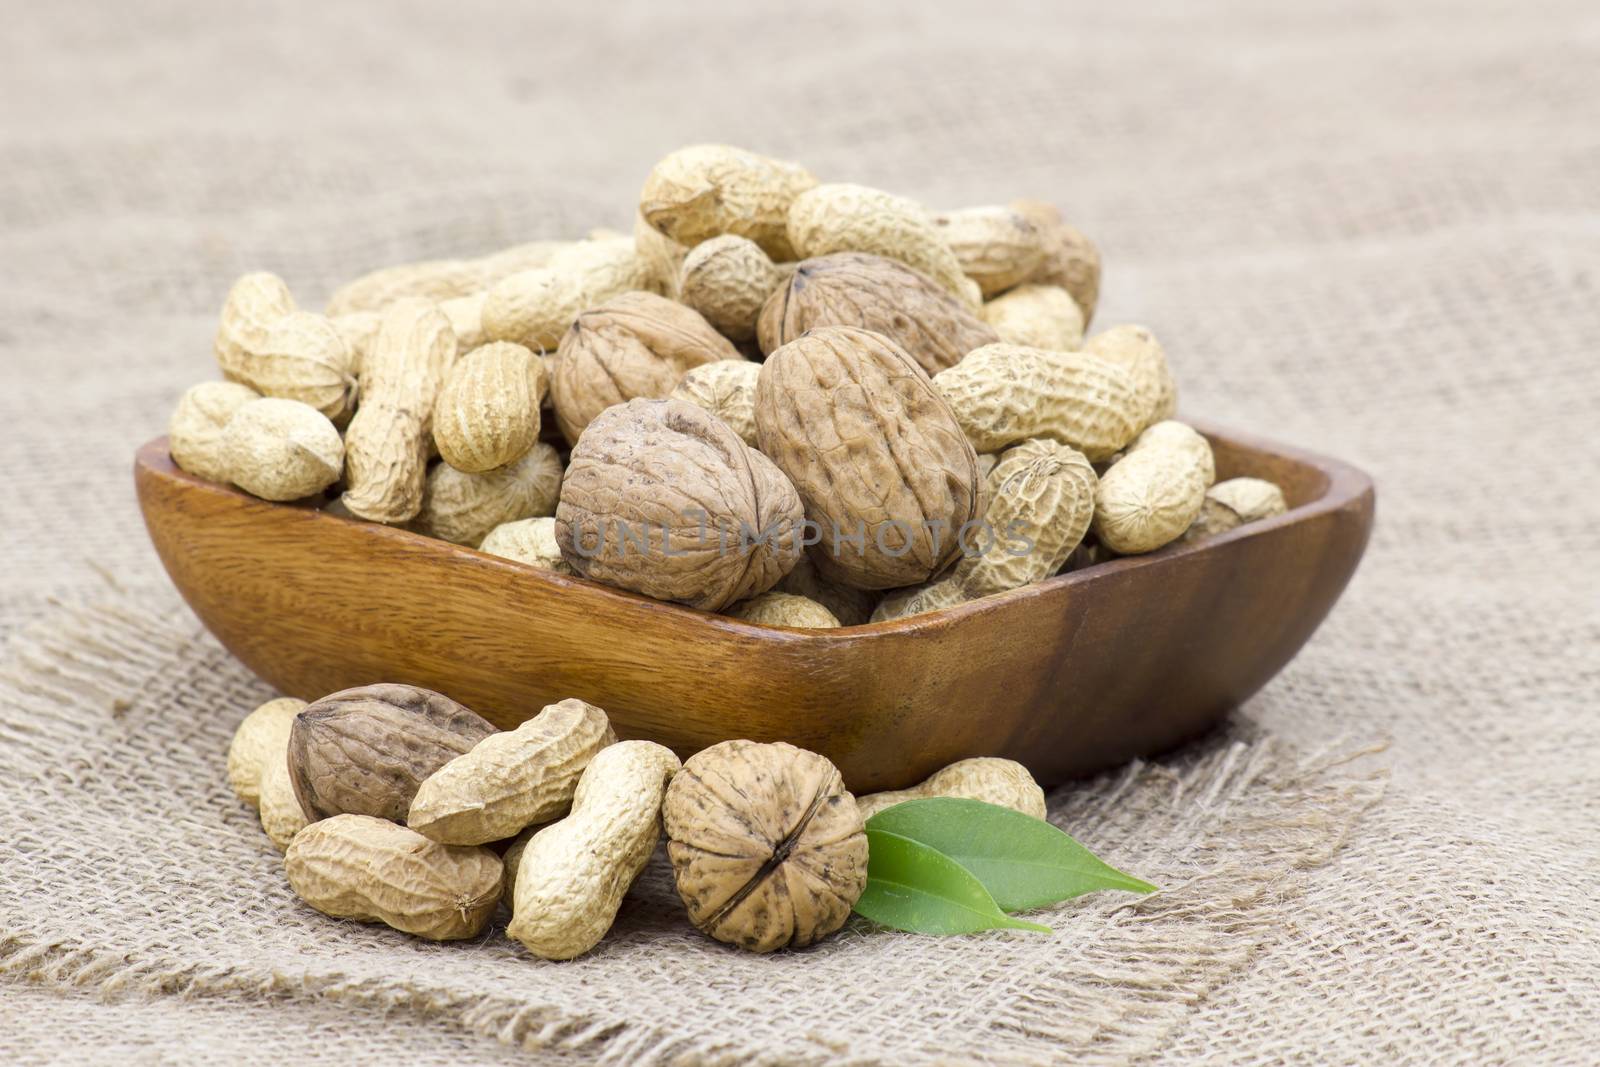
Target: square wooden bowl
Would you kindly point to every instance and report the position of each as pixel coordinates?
(1070, 675)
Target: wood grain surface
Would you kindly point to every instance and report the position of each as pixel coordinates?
(1071, 675)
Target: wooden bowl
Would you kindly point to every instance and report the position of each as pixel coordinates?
(1071, 675)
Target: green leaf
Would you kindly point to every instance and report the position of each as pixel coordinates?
(913, 887)
(1023, 862)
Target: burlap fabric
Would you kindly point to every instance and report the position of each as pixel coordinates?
(1373, 232)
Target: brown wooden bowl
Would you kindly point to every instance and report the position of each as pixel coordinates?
(1070, 675)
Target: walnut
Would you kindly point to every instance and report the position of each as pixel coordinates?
(767, 846)
(634, 345)
(663, 498)
(884, 470)
(878, 294)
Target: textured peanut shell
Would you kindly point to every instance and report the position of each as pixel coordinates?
(1135, 349)
(194, 433)
(637, 344)
(278, 806)
(573, 874)
(849, 605)
(1071, 260)
(783, 609)
(699, 192)
(1233, 503)
(722, 522)
(512, 779)
(767, 846)
(366, 750)
(254, 303)
(261, 736)
(369, 870)
(387, 442)
(303, 357)
(1041, 500)
(281, 449)
(919, 599)
(997, 247)
(878, 294)
(530, 541)
(1038, 316)
(487, 413)
(1150, 496)
(512, 861)
(727, 389)
(858, 428)
(464, 508)
(535, 307)
(727, 279)
(986, 778)
(854, 218)
(432, 280)
(1002, 394)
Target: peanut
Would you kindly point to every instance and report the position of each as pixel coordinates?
(535, 307)
(997, 247)
(358, 329)
(727, 389)
(513, 779)
(918, 600)
(530, 541)
(387, 442)
(989, 779)
(663, 257)
(855, 218)
(727, 279)
(370, 870)
(1149, 497)
(699, 192)
(573, 874)
(464, 508)
(261, 737)
(1233, 503)
(1070, 259)
(1135, 349)
(850, 606)
(1037, 316)
(282, 817)
(487, 413)
(466, 320)
(438, 280)
(1041, 496)
(281, 449)
(783, 609)
(194, 434)
(1002, 394)
(265, 343)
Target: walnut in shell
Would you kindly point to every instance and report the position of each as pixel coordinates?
(366, 750)
(878, 294)
(766, 844)
(635, 345)
(663, 498)
(876, 454)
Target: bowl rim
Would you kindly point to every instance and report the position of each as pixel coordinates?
(1343, 485)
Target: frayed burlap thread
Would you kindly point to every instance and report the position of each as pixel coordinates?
(130, 870)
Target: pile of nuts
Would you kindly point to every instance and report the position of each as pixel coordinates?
(397, 805)
(799, 403)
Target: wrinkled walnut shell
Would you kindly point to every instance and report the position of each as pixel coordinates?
(364, 751)
(635, 345)
(873, 450)
(663, 498)
(878, 294)
(767, 846)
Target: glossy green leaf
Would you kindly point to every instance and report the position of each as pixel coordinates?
(911, 886)
(1023, 862)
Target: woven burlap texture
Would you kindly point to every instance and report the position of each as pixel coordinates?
(1371, 230)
